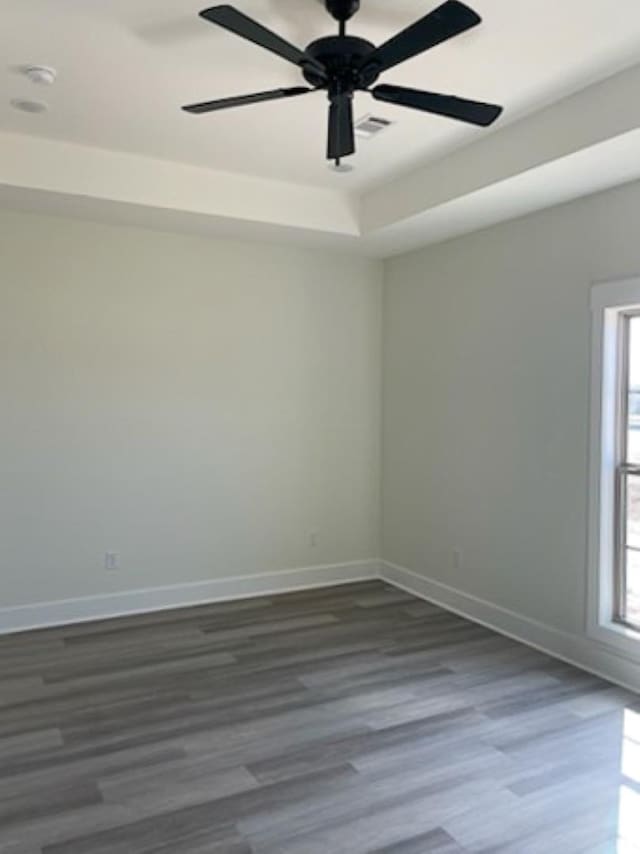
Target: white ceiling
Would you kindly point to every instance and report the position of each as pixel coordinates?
(125, 68)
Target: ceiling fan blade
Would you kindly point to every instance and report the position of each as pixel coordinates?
(445, 22)
(473, 112)
(341, 134)
(240, 24)
(241, 100)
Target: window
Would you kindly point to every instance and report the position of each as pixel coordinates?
(614, 536)
(627, 510)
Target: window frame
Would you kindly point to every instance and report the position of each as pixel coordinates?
(612, 304)
(624, 467)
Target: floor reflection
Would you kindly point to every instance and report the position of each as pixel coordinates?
(628, 841)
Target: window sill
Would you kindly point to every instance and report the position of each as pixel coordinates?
(623, 639)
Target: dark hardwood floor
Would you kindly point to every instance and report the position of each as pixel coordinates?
(349, 719)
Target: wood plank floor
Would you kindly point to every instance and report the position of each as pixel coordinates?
(349, 719)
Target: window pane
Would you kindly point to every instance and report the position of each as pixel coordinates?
(633, 511)
(632, 549)
(633, 426)
(633, 587)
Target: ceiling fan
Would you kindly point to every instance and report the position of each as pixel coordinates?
(343, 64)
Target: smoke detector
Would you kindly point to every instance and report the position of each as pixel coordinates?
(41, 75)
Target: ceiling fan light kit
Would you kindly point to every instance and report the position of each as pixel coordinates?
(342, 64)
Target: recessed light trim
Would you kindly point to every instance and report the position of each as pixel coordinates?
(26, 105)
(341, 168)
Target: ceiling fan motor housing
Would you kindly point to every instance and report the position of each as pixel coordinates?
(342, 56)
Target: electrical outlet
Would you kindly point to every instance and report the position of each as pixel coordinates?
(111, 561)
(457, 558)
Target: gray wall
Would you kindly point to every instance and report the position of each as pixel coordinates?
(199, 406)
(486, 404)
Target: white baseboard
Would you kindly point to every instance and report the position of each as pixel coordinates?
(62, 612)
(581, 651)
(578, 650)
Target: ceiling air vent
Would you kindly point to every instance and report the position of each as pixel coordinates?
(371, 126)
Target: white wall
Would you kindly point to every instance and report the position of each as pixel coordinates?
(486, 404)
(198, 406)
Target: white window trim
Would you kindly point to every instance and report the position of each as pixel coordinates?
(607, 301)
